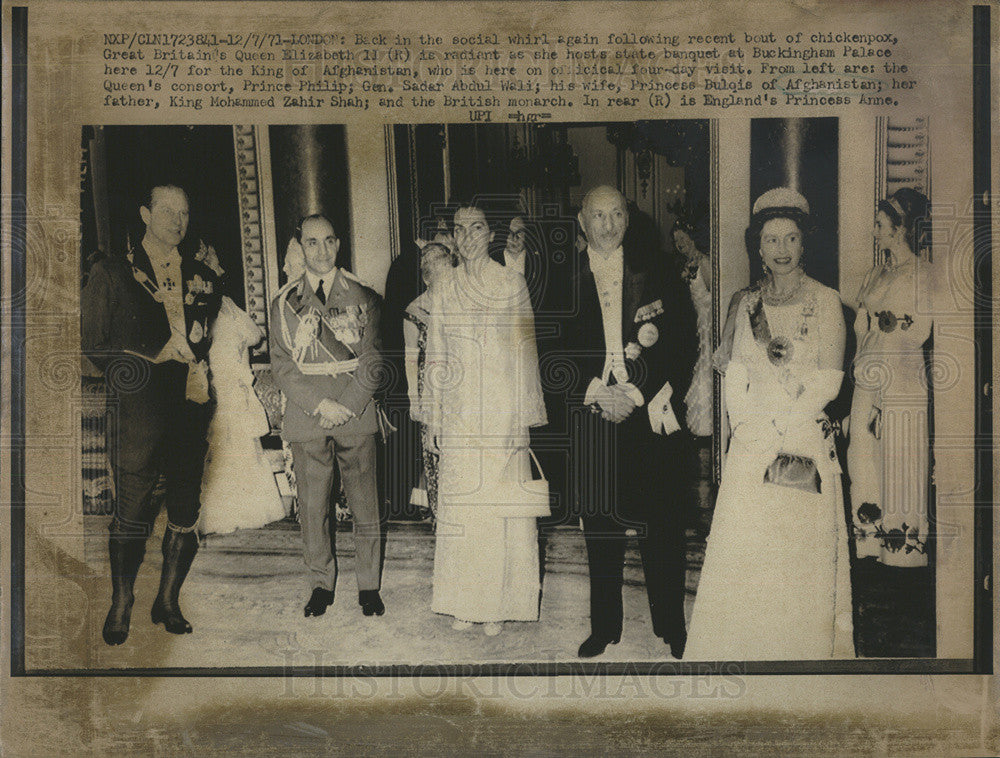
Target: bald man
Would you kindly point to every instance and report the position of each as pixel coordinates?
(633, 341)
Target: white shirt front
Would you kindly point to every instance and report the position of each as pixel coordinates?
(608, 273)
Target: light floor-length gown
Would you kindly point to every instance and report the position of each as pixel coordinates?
(238, 489)
(482, 378)
(775, 583)
(888, 457)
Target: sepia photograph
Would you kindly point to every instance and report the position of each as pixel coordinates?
(564, 408)
(499, 378)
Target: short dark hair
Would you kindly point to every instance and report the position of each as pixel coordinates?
(475, 204)
(915, 217)
(696, 231)
(151, 189)
(796, 215)
(311, 217)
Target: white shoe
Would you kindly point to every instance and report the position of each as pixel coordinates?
(460, 626)
(492, 629)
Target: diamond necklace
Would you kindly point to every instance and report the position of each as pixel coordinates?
(774, 299)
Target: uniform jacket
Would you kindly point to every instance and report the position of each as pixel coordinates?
(120, 315)
(306, 334)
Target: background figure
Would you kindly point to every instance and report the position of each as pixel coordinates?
(528, 252)
(238, 490)
(889, 452)
(325, 357)
(632, 341)
(146, 320)
(484, 393)
(436, 264)
(401, 455)
(775, 583)
(697, 272)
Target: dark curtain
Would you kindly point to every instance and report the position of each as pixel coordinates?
(782, 150)
(201, 160)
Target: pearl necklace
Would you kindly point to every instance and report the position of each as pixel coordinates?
(773, 299)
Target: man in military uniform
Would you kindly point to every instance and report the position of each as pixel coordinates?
(146, 318)
(325, 353)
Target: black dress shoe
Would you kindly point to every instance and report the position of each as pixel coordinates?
(319, 601)
(594, 645)
(370, 602)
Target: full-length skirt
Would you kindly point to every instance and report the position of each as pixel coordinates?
(775, 583)
(485, 564)
(238, 490)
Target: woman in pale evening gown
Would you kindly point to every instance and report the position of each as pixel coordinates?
(436, 264)
(485, 393)
(238, 489)
(889, 451)
(775, 583)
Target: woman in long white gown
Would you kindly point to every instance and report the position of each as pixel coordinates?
(238, 490)
(775, 583)
(484, 393)
(889, 452)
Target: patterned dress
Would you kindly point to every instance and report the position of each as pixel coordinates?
(485, 393)
(699, 396)
(416, 351)
(889, 453)
(775, 583)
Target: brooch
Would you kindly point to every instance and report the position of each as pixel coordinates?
(780, 350)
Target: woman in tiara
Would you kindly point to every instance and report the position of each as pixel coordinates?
(775, 583)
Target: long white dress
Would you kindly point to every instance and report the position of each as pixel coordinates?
(485, 392)
(238, 490)
(889, 453)
(775, 583)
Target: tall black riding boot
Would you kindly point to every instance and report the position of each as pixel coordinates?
(126, 556)
(178, 552)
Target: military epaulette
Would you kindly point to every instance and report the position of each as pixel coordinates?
(357, 280)
(648, 312)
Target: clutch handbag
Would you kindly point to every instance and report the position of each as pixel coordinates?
(796, 471)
